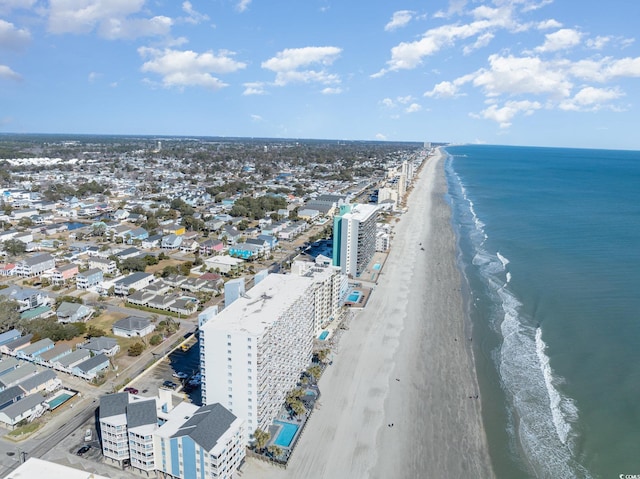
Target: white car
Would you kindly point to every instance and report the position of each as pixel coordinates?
(88, 435)
(180, 375)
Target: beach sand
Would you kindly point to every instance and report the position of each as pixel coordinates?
(406, 361)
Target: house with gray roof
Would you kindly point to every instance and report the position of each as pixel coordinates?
(133, 326)
(34, 350)
(8, 364)
(36, 265)
(135, 281)
(73, 312)
(22, 409)
(58, 351)
(27, 298)
(212, 429)
(11, 395)
(108, 346)
(68, 361)
(90, 368)
(17, 375)
(12, 347)
(44, 380)
(9, 336)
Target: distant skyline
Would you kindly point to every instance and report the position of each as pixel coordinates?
(516, 72)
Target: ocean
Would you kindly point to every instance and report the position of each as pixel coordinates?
(549, 248)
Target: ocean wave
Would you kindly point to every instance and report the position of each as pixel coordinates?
(541, 417)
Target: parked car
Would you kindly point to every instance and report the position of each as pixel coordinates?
(169, 384)
(88, 435)
(82, 450)
(131, 390)
(180, 375)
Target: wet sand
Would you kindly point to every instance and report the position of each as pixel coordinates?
(396, 401)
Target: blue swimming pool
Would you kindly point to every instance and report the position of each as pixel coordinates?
(354, 296)
(376, 266)
(59, 399)
(323, 335)
(286, 434)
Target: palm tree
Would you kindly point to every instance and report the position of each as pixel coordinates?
(260, 439)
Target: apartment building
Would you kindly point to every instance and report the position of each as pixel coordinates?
(354, 238)
(253, 352)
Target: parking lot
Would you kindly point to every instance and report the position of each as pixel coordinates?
(184, 361)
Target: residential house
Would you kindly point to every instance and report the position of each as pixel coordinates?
(231, 234)
(8, 269)
(90, 368)
(173, 228)
(58, 351)
(108, 346)
(151, 242)
(87, 279)
(141, 297)
(12, 347)
(162, 301)
(245, 251)
(73, 312)
(44, 380)
(8, 364)
(22, 409)
(223, 263)
(64, 273)
(68, 361)
(108, 266)
(308, 214)
(184, 306)
(36, 265)
(27, 298)
(190, 435)
(128, 253)
(211, 246)
(9, 336)
(272, 241)
(10, 396)
(133, 326)
(137, 235)
(171, 241)
(135, 281)
(34, 350)
(189, 246)
(175, 280)
(26, 370)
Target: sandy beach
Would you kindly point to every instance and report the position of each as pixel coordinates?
(396, 401)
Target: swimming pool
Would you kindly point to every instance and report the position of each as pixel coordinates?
(287, 433)
(376, 266)
(60, 399)
(354, 296)
(323, 335)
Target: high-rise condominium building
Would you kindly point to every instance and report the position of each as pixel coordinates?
(354, 238)
(255, 349)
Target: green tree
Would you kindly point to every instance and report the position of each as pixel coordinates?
(14, 247)
(94, 332)
(135, 349)
(275, 450)
(155, 340)
(9, 316)
(315, 371)
(260, 439)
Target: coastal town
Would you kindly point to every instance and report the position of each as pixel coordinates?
(168, 306)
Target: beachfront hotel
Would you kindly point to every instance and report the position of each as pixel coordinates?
(354, 237)
(254, 351)
(331, 288)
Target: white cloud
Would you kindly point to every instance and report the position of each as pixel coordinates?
(404, 99)
(188, 68)
(522, 75)
(388, 102)
(548, 24)
(243, 5)
(115, 28)
(381, 137)
(256, 118)
(193, 16)
(591, 99)
(560, 40)
(399, 19)
(288, 62)
(93, 76)
(598, 43)
(253, 88)
(331, 91)
(8, 74)
(413, 108)
(482, 41)
(109, 17)
(12, 38)
(503, 115)
(444, 89)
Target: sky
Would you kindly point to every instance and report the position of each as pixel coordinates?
(513, 72)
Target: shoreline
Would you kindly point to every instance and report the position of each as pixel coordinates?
(400, 399)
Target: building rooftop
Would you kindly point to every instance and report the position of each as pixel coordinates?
(262, 304)
(207, 425)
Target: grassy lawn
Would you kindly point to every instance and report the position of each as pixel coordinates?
(24, 430)
(161, 265)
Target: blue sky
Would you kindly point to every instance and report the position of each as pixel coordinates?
(523, 72)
